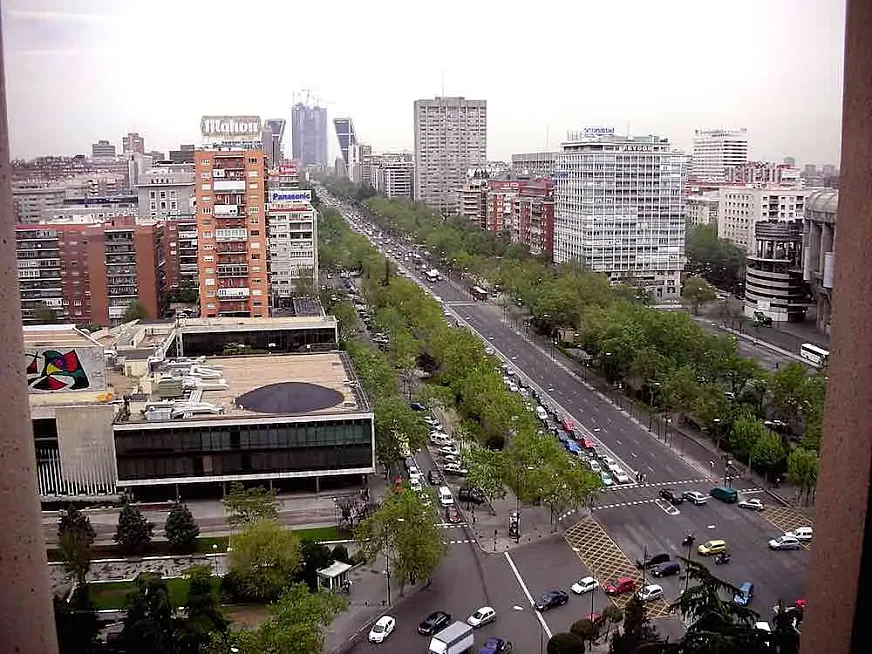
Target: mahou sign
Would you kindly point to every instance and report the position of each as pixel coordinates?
(230, 127)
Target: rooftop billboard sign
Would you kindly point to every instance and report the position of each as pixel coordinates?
(231, 127)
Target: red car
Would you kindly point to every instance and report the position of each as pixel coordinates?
(620, 585)
(586, 443)
(452, 514)
(597, 619)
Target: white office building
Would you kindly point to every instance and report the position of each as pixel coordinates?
(619, 208)
(166, 192)
(395, 177)
(702, 209)
(741, 208)
(292, 238)
(715, 150)
(450, 138)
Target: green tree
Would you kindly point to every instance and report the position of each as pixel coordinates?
(745, 433)
(696, 291)
(246, 506)
(347, 318)
(264, 559)
(76, 624)
(486, 471)
(75, 537)
(718, 260)
(315, 556)
(134, 532)
(612, 614)
(340, 553)
(181, 529)
(638, 633)
(787, 391)
(394, 421)
(768, 452)
(405, 531)
(203, 615)
(135, 311)
(586, 630)
(304, 282)
(45, 315)
(565, 643)
(148, 622)
(802, 470)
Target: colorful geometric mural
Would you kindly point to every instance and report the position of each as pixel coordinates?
(50, 370)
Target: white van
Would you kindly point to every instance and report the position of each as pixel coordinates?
(803, 534)
(445, 496)
(541, 413)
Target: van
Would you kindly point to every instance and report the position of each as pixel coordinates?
(803, 534)
(724, 494)
(445, 496)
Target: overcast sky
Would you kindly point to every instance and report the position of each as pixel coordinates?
(81, 70)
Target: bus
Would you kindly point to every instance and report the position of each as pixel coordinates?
(479, 293)
(817, 355)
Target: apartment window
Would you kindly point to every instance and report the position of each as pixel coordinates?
(255, 256)
(163, 205)
(152, 205)
(208, 258)
(173, 193)
(255, 232)
(206, 187)
(205, 162)
(174, 205)
(163, 195)
(151, 194)
(205, 175)
(210, 281)
(252, 185)
(206, 210)
(253, 221)
(253, 173)
(252, 160)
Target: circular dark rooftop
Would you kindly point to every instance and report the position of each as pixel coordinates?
(289, 397)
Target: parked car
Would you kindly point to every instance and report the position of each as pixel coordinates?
(455, 470)
(650, 593)
(470, 494)
(496, 646)
(435, 477)
(786, 542)
(432, 423)
(713, 546)
(606, 478)
(744, 595)
(434, 622)
(417, 406)
(481, 617)
(550, 599)
(621, 477)
(666, 569)
(670, 496)
(583, 586)
(802, 534)
(753, 503)
(383, 628)
(620, 585)
(452, 514)
(651, 561)
(695, 497)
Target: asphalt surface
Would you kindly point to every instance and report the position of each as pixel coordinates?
(632, 516)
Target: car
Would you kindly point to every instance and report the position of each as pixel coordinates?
(383, 628)
(614, 468)
(432, 423)
(608, 461)
(595, 465)
(585, 585)
(753, 503)
(513, 387)
(670, 496)
(596, 619)
(452, 514)
(451, 459)
(548, 600)
(606, 478)
(724, 494)
(714, 546)
(744, 595)
(434, 623)
(695, 497)
(496, 646)
(417, 406)
(470, 494)
(481, 617)
(426, 497)
(455, 470)
(488, 350)
(786, 542)
(650, 593)
(449, 449)
(435, 477)
(621, 477)
(802, 534)
(415, 482)
(666, 569)
(651, 561)
(620, 585)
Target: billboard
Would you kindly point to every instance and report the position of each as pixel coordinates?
(289, 169)
(290, 195)
(231, 127)
(61, 369)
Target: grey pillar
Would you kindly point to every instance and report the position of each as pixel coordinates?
(26, 613)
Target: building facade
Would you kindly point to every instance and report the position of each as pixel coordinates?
(185, 154)
(702, 209)
(472, 201)
(450, 139)
(764, 173)
(619, 208)
(395, 177)
(273, 137)
(309, 135)
(32, 200)
(716, 150)
(818, 252)
(773, 272)
(741, 208)
(500, 194)
(102, 149)
(167, 191)
(349, 148)
(292, 227)
(133, 143)
(532, 222)
(534, 164)
(232, 232)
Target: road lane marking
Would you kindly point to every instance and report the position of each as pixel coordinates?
(634, 455)
(527, 593)
(667, 508)
(618, 442)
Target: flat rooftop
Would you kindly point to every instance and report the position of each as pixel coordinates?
(57, 336)
(276, 385)
(255, 324)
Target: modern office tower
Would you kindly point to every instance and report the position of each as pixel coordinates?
(102, 150)
(368, 166)
(450, 139)
(534, 164)
(273, 134)
(716, 150)
(741, 208)
(309, 134)
(619, 208)
(232, 233)
(349, 148)
(133, 143)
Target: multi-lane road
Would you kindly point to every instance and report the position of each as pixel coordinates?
(625, 521)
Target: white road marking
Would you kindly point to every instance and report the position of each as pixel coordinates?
(650, 468)
(668, 509)
(617, 442)
(633, 454)
(527, 593)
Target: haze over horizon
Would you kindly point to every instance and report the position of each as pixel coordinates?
(85, 70)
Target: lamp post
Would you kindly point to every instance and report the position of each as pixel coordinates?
(538, 627)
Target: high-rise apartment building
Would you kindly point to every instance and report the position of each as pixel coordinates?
(764, 173)
(395, 176)
(532, 222)
(619, 208)
(102, 150)
(702, 208)
(32, 199)
(273, 135)
(500, 194)
(741, 208)
(716, 150)
(309, 134)
(133, 143)
(450, 139)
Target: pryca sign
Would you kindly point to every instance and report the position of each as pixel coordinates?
(230, 126)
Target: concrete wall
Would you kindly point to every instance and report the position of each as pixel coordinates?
(87, 447)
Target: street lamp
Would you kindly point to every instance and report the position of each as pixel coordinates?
(538, 627)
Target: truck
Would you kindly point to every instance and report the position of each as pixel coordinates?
(456, 638)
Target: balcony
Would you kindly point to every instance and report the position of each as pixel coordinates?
(238, 293)
(226, 210)
(235, 234)
(233, 270)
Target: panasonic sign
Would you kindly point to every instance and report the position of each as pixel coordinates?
(230, 127)
(290, 197)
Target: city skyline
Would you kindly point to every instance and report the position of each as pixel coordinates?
(791, 105)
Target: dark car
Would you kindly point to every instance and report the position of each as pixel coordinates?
(496, 646)
(435, 477)
(434, 622)
(551, 599)
(651, 561)
(666, 569)
(670, 496)
(470, 494)
(417, 406)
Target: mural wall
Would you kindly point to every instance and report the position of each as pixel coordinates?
(59, 370)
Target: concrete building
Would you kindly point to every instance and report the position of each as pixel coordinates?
(534, 164)
(619, 208)
(532, 222)
(180, 251)
(273, 136)
(450, 138)
(368, 166)
(93, 209)
(472, 198)
(716, 150)
(32, 199)
(292, 226)
(764, 173)
(185, 154)
(309, 135)
(741, 208)
(702, 209)
(102, 149)
(818, 251)
(395, 177)
(51, 168)
(500, 194)
(133, 143)
(167, 191)
(773, 271)
(232, 232)
(349, 148)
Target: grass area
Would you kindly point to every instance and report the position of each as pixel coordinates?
(112, 594)
(320, 533)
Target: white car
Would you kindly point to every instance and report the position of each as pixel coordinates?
(621, 477)
(450, 448)
(650, 593)
(609, 461)
(754, 504)
(786, 542)
(583, 586)
(488, 350)
(595, 466)
(434, 424)
(383, 628)
(513, 387)
(481, 617)
(802, 534)
(614, 468)
(415, 482)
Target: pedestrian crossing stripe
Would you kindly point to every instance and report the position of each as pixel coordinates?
(459, 542)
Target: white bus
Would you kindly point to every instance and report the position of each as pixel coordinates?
(818, 356)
